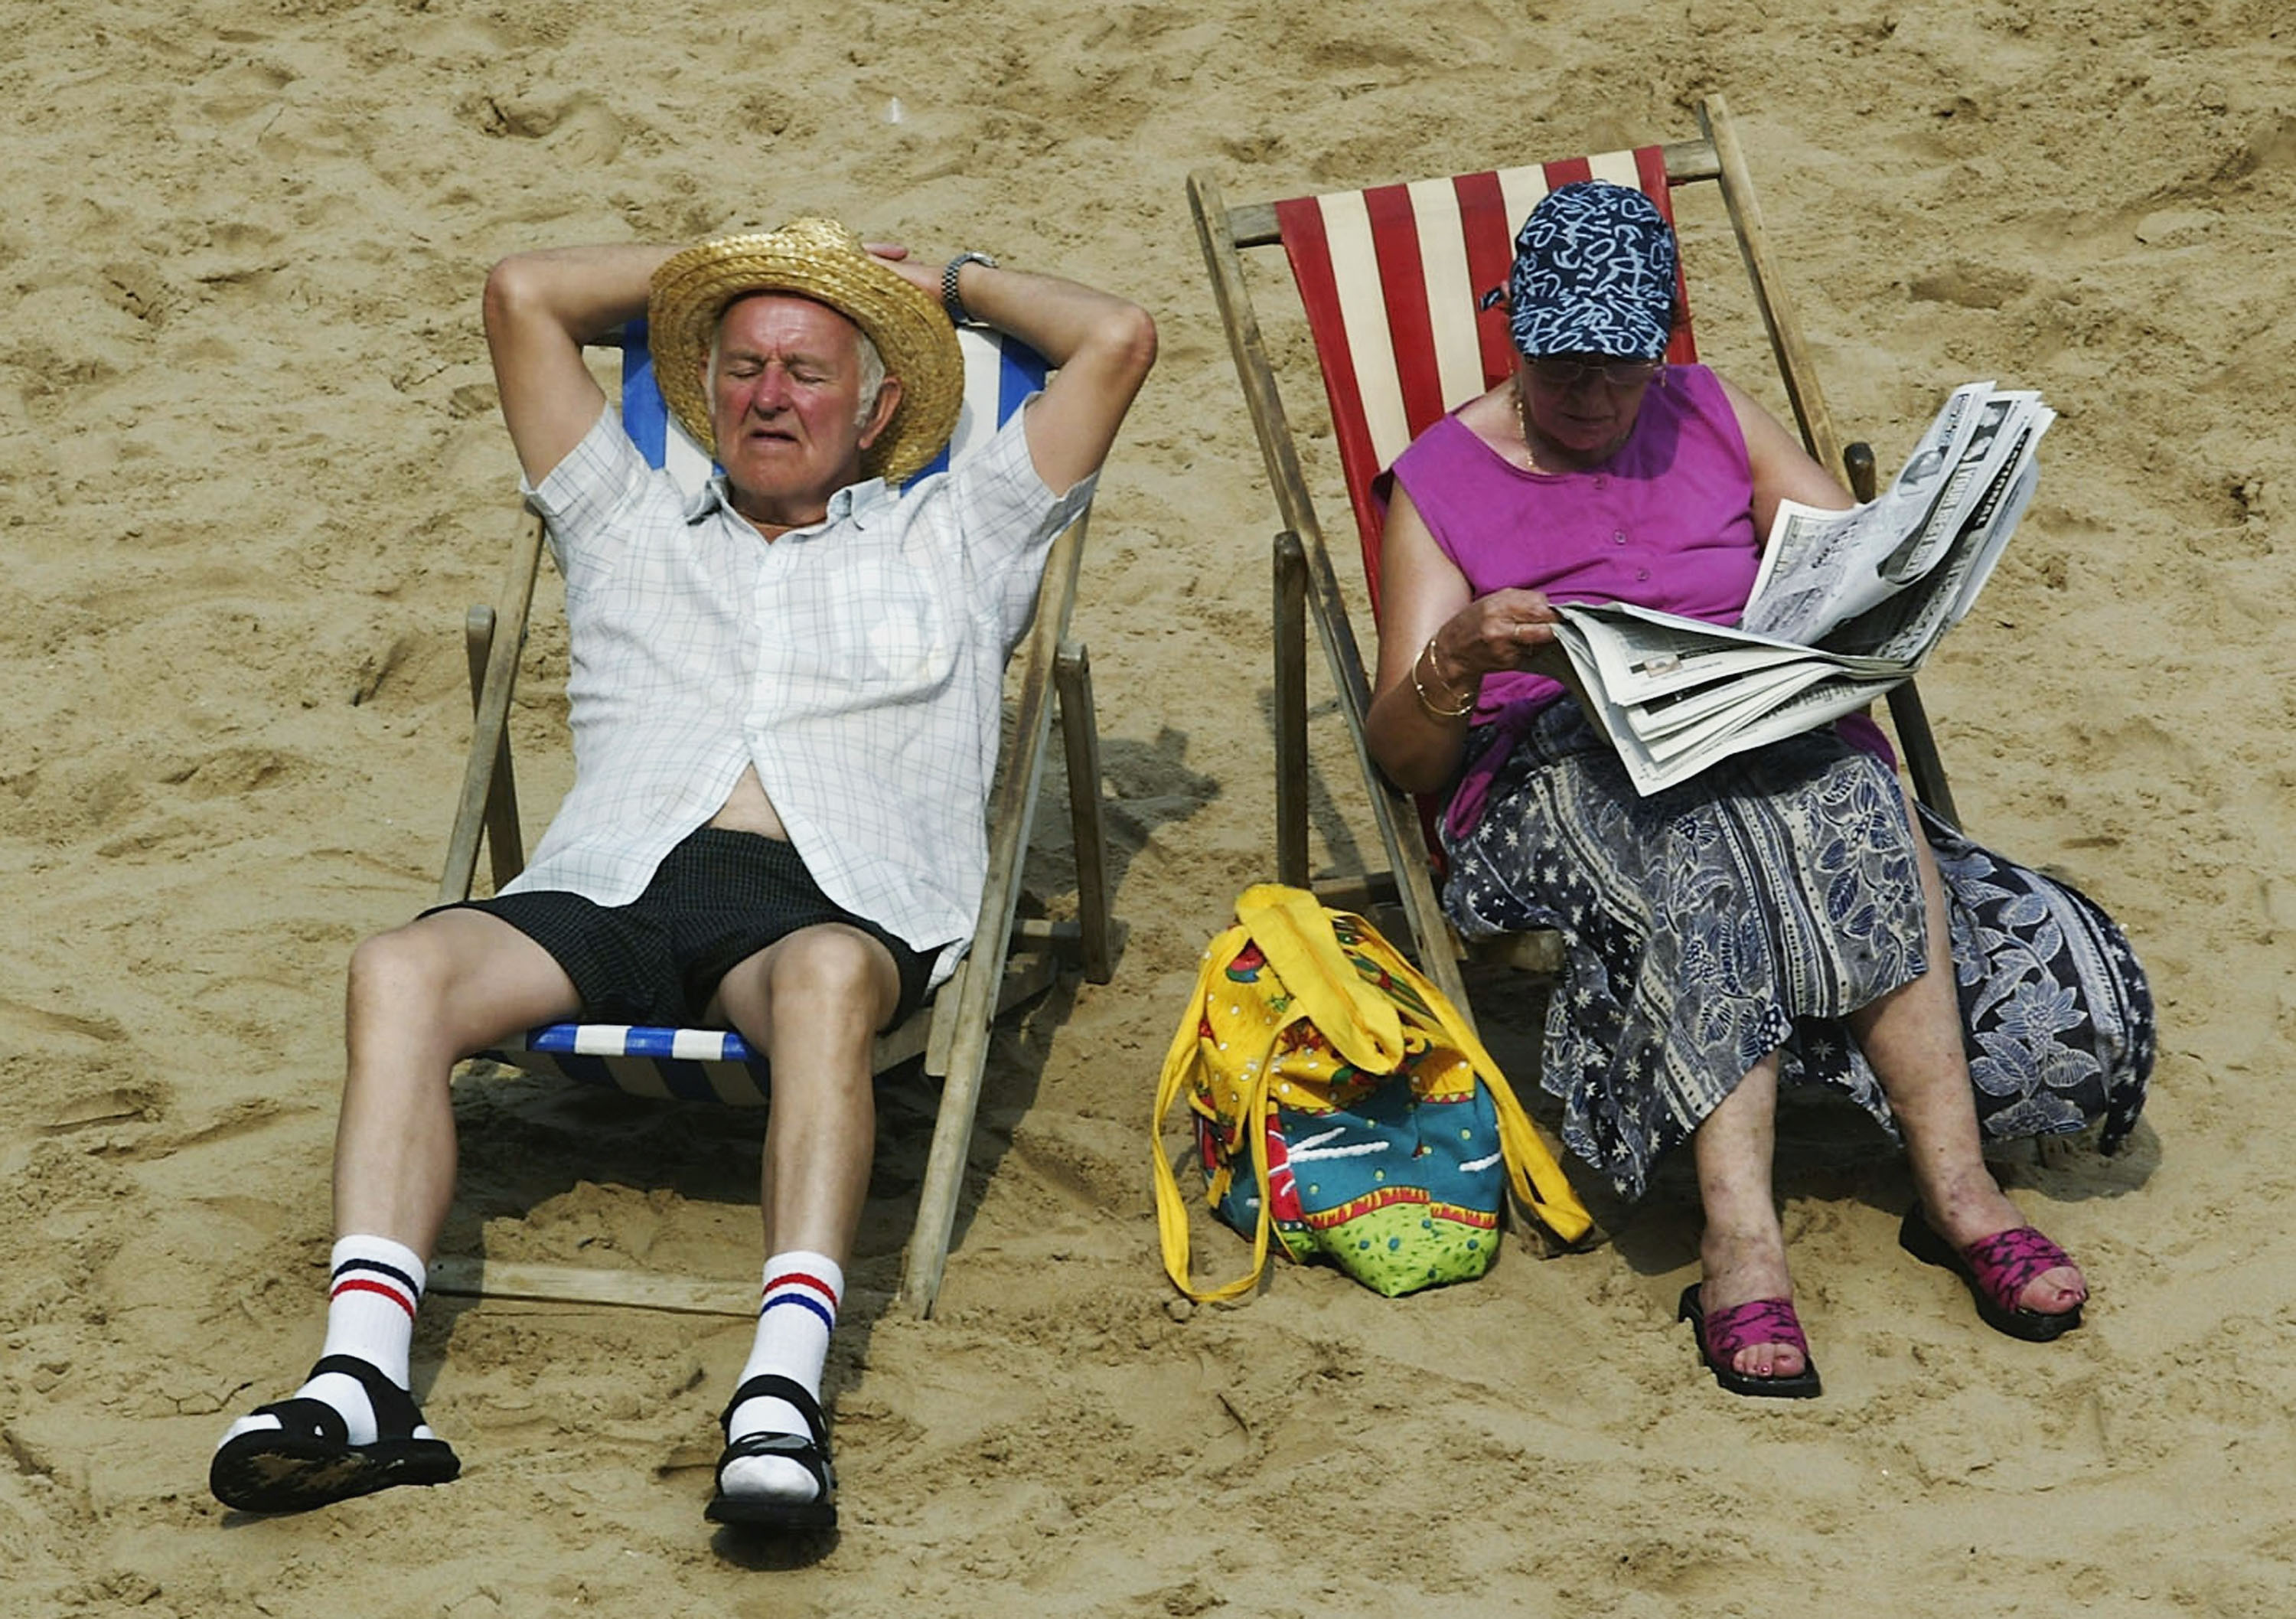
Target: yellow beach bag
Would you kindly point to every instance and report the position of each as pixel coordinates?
(1342, 1103)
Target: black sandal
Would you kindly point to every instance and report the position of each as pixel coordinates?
(308, 1460)
(812, 1454)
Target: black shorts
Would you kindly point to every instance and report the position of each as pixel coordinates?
(715, 900)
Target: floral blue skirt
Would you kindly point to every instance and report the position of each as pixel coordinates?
(1749, 910)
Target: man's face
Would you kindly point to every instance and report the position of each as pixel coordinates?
(786, 406)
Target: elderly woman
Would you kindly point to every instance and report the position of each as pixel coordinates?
(1785, 918)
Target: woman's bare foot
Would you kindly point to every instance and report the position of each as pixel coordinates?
(1976, 1208)
(1741, 1266)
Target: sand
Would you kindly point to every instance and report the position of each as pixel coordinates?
(253, 475)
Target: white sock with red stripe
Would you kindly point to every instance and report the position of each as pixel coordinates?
(371, 1301)
(372, 1295)
(794, 1320)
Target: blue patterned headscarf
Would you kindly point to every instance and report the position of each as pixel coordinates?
(1593, 274)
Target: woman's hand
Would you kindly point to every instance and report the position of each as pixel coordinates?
(1437, 641)
(1507, 630)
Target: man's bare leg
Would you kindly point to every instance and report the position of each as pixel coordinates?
(1744, 1249)
(813, 1002)
(421, 997)
(1912, 1038)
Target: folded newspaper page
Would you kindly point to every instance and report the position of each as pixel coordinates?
(1846, 605)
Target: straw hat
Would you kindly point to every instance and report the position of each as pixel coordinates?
(823, 260)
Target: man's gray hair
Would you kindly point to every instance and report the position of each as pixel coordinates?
(872, 376)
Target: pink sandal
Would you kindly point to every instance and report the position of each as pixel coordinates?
(1722, 1335)
(1997, 1269)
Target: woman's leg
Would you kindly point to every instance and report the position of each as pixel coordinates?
(1744, 1249)
(1912, 1038)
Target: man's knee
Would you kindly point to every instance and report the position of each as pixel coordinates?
(832, 971)
(402, 970)
(430, 967)
(463, 977)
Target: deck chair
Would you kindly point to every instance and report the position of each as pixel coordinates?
(1388, 278)
(1011, 958)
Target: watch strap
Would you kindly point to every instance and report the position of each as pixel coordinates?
(949, 300)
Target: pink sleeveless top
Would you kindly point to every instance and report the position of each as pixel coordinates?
(1668, 522)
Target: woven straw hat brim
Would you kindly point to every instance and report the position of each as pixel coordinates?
(823, 260)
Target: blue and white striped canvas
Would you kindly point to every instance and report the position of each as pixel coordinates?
(716, 1065)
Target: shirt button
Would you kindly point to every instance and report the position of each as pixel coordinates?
(1600, 482)
(1618, 537)
(1642, 574)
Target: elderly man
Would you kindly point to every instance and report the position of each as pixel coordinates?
(785, 698)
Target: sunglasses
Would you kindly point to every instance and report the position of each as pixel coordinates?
(1567, 370)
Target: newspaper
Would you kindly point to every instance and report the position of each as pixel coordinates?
(1846, 605)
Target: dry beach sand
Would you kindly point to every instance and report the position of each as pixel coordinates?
(253, 475)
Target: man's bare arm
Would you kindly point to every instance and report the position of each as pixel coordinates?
(540, 309)
(1101, 344)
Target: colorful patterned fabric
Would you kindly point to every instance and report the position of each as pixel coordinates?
(1750, 909)
(1403, 1189)
(1594, 273)
(1343, 1107)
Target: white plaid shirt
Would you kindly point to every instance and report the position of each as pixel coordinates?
(858, 664)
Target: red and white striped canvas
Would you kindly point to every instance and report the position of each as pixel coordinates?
(1391, 278)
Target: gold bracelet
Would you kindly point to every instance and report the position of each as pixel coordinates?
(1466, 704)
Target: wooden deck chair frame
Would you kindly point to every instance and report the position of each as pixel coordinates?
(1011, 959)
(1307, 590)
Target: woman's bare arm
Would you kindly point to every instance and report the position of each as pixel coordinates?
(1433, 626)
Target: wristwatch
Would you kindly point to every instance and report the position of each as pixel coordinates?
(949, 300)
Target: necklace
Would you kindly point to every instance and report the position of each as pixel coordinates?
(1522, 425)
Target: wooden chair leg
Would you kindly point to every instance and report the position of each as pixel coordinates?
(484, 1278)
(1398, 816)
(1012, 814)
(504, 641)
(1290, 710)
(1080, 742)
(505, 844)
(1795, 368)
(1912, 722)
